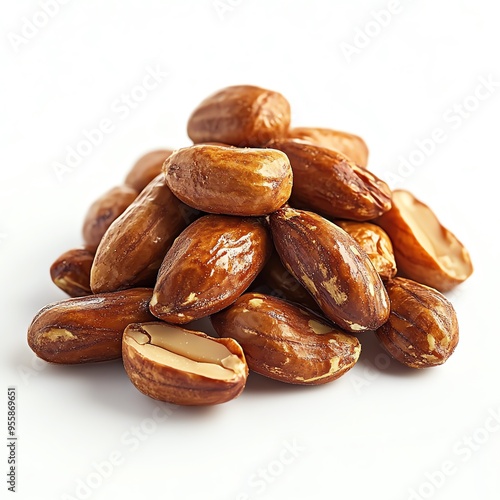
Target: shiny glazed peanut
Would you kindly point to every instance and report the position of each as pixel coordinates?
(133, 248)
(285, 342)
(282, 284)
(103, 212)
(71, 272)
(350, 145)
(228, 180)
(209, 266)
(242, 115)
(146, 168)
(422, 329)
(87, 329)
(328, 182)
(376, 243)
(332, 267)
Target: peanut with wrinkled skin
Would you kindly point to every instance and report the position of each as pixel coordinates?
(332, 267)
(285, 342)
(210, 264)
(330, 183)
(229, 180)
(132, 249)
(87, 329)
(242, 115)
(422, 329)
(103, 212)
(376, 243)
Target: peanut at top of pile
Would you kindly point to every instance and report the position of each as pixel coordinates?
(280, 235)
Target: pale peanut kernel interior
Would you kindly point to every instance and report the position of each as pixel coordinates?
(171, 346)
(58, 334)
(438, 243)
(319, 328)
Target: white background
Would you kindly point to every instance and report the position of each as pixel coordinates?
(378, 433)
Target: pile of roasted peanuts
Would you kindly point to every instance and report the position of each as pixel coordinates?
(281, 236)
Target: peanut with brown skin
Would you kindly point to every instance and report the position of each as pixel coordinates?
(328, 182)
(332, 267)
(87, 329)
(185, 367)
(425, 250)
(229, 180)
(146, 168)
(285, 342)
(348, 144)
(103, 212)
(422, 329)
(210, 264)
(376, 243)
(242, 115)
(134, 246)
(71, 272)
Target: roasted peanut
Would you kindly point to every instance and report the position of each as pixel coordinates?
(285, 342)
(146, 168)
(183, 367)
(332, 267)
(103, 212)
(375, 242)
(87, 329)
(71, 272)
(242, 115)
(209, 266)
(425, 251)
(134, 246)
(228, 180)
(422, 329)
(350, 145)
(326, 181)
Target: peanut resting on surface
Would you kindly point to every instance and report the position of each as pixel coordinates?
(285, 342)
(169, 363)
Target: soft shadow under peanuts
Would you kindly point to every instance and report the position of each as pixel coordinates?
(374, 355)
(258, 384)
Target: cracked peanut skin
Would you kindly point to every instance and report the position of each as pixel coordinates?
(209, 266)
(132, 249)
(332, 267)
(229, 180)
(286, 342)
(422, 329)
(328, 182)
(87, 329)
